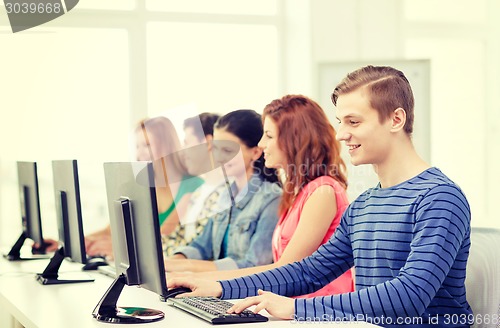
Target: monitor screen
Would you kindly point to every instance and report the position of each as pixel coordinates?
(30, 201)
(68, 209)
(69, 224)
(135, 234)
(30, 213)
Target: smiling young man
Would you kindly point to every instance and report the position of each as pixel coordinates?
(408, 237)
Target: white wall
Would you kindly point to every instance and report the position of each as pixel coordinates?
(461, 39)
(73, 87)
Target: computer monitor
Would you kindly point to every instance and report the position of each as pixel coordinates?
(69, 223)
(136, 241)
(30, 214)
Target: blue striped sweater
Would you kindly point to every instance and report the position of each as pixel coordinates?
(409, 245)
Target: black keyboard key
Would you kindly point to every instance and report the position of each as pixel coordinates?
(214, 310)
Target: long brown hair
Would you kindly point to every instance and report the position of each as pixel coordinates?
(308, 142)
(166, 143)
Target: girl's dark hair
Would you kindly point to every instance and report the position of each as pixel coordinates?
(246, 124)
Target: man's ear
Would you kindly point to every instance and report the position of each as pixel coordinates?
(398, 119)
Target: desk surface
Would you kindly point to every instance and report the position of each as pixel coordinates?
(38, 306)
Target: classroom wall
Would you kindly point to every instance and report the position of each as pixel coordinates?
(461, 39)
(75, 87)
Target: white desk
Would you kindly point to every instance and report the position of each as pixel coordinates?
(36, 306)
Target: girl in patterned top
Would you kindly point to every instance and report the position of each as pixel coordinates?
(299, 141)
(156, 141)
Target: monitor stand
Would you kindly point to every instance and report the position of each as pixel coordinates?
(50, 275)
(15, 252)
(107, 311)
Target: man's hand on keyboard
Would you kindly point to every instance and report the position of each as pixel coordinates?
(199, 287)
(278, 306)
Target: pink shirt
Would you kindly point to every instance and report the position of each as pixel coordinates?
(289, 221)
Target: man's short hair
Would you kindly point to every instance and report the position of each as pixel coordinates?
(207, 121)
(388, 89)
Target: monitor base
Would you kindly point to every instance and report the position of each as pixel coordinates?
(107, 310)
(55, 281)
(50, 276)
(131, 315)
(14, 258)
(38, 253)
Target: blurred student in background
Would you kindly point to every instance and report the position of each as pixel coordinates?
(299, 141)
(156, 141)
(198, 159)
(239, 236)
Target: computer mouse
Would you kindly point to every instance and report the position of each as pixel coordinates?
(93, 263)
(176, 291)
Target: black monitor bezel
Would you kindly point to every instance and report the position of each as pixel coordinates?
(136, 238)
(123, 182)
(69, 209)
(31, 217)
(69, 223)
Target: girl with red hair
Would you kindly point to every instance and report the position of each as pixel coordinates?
(300, 143)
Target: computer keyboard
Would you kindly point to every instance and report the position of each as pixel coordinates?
(214, 310)
(107, 270)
